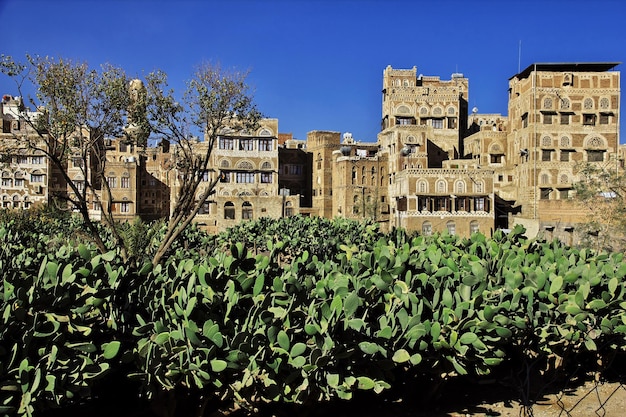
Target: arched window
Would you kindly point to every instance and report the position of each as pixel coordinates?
(546, 141)
(545, 179)
(474, 227)
(451, 227)
(588, 103)
(460, 187)
(266, 165)
(422, 187)
(547, 103)
(441, 186)
(565, 142)
(229, 210)
(246, 210)
(565, 104)
(427, 228)
(288, 209)
(604, 103)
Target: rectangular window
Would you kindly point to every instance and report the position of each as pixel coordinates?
(452, 123)
(266, 177)
(589, 119)
(36, 177)
(496, 159)
(77, 162)
(525, 120)
(437, 123)
(6, 182)
(226, 143)
(564, 194)
(547, 118)
(546, 155)
(124, 207)
(225, 177)
(545, 193)
(564, 156)
(80, 184)
(564, 118)
(292, 169)
(245, 177)
(205, 176)
(246, 144)
(125, 183)
(265, 144)
(19, 182)
(479, 204)
(595, 156)
(604, 119)
(405, 120)
(37, 160)
(112, 181)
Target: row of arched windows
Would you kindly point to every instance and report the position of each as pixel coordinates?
(564, 103)
(427, 227)
(441, 186)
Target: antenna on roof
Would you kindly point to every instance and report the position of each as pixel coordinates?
(519, 56)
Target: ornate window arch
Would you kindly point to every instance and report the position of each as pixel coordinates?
(588, 103)
(605, 103)
(546, 142)
(544, 178)
(421, 187)
(265, 132)
(437, 111)
(564, 178)
(403, 109)
(595, 142)
(266, 165)
(224, 163)
(547, 103)
(565, 142)
(451, 227)
(451, 111)
(565, 103)
(245, 165)
(474, 226)
(423, 111)
(479, 186)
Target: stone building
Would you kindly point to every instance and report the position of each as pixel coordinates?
(246, 165)
(561, 116)
(26, 174)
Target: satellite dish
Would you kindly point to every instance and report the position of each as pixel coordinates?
(475, 110)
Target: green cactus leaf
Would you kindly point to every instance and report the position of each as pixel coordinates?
(468, 338)
(297, 349)
(365, 383)
(110, 349)
(218, 365)
(401, 356)
(351, 304)
(283, 340)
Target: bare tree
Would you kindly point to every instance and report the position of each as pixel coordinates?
(77, 109)
(602, 192)
(215, 99)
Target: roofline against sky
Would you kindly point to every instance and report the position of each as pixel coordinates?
(566, 66)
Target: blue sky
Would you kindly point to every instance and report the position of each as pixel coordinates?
(317, 65)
